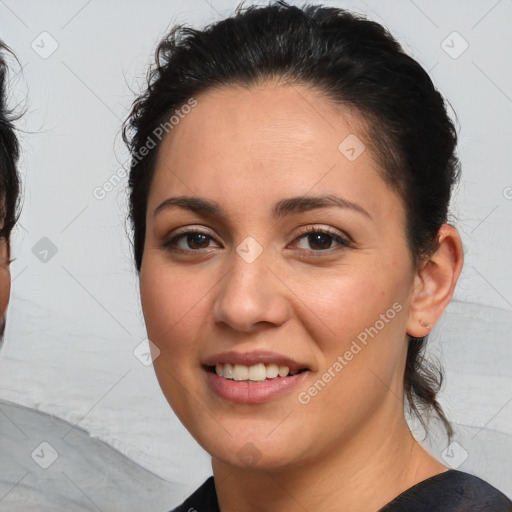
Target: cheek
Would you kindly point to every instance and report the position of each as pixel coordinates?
(172, 307)
(173, 302)
(5, 289)
(5, 277)
(358, 323)
(346, 303)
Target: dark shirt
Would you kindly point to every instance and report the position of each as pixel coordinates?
(451, 491)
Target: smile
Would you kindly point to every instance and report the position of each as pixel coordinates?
(255, 373)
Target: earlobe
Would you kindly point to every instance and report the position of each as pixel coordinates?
(435, 283)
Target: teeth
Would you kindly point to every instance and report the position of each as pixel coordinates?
(240, 372)
(257, 373)
(283, 371)
(272, 371)
(227, 371)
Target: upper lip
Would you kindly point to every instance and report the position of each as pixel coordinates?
(253, 358)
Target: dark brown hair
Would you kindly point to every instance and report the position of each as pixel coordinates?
(9, 154)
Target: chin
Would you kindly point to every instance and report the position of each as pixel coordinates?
(251, 457)
(254, 452)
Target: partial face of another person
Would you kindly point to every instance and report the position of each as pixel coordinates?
(9, 186)
(5, 281)
(267, 244)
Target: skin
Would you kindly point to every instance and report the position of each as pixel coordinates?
(350, 447)
(5, 282)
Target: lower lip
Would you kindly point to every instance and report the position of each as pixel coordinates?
(243, 392)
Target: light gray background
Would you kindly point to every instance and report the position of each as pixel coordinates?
(74, 320)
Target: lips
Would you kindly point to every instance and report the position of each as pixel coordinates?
(252, 377)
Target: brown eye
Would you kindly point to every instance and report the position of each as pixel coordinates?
(190, 241)
(197, 241)
(318, 240)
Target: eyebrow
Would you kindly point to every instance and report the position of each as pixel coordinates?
(281, 209)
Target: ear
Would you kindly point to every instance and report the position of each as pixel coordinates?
(435, 282)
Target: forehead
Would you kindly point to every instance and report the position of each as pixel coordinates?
(273, 140)
(276, 118)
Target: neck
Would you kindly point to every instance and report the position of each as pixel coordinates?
(363, 474)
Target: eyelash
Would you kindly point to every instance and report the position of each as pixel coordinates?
(335, 236)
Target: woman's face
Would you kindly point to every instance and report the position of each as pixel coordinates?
(273, 240)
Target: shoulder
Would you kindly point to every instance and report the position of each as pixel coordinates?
(451, 491)
(204, 499)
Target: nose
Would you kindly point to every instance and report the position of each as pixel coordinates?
(251, 295)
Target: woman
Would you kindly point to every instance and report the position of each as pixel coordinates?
(289, 189)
